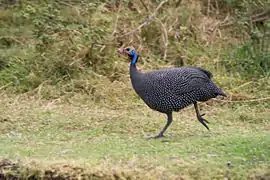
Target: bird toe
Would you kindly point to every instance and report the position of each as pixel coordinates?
(158, 136)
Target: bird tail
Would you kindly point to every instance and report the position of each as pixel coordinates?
(220, 92)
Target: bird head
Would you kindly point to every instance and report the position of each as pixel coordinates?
(132, 54)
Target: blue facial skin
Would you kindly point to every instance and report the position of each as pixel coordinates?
(133, 56)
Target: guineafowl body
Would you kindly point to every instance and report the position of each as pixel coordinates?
(172, 89)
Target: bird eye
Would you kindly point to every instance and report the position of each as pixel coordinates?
(128, 49)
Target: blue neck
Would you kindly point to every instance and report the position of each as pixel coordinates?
(134, 59)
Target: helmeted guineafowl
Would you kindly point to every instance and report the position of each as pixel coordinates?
(172, 89)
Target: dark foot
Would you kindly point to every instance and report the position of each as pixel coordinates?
(158, 136)
(199, 116)
(203, 121)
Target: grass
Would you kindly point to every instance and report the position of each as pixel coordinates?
(108, 142)
(67, 108)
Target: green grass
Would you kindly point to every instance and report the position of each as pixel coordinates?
(67, 107)
(52, 135)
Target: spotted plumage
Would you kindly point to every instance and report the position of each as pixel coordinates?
(172, 89)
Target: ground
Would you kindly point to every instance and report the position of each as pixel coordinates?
(60, 139)
(68, 109)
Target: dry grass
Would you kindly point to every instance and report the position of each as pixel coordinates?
(67, 107)
(83, 138)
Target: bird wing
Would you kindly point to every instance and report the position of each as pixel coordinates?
(179, 81)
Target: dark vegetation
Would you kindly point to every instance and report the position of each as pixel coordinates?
(55, 43)
(66, 94)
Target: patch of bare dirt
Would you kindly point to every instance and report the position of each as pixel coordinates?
(8, 170)
(14, 171)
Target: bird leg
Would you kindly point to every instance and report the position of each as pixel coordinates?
(199, 116)
(169, 115)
